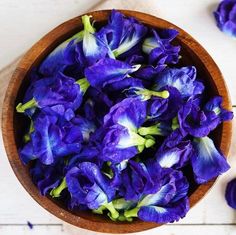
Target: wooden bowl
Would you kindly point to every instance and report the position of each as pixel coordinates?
(13, 124)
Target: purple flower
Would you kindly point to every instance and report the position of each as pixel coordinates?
(47, 177)
(168, 204)
(215, 105)
(207, 162)
(159, 47)
(122, 34)
(61, 56)
(140, 179)
(121, 140)
(52, 139)
(183, 79)
(94, 49)
(230, 193)
(196, 122)
(161, 105)
(225, 17)
(108, 71)
(60, 95)
(175, 157)
(165, 109)
(88, 186)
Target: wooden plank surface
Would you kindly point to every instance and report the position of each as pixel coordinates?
(211, 215)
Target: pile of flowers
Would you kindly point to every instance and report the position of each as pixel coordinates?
(117, 126)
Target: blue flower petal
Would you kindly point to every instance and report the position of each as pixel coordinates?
(88, 185)
(230, 193)
(122, 34)
(107, 71)
(175, 157)
(60, 56)
(130, 113)
(215, 105)
(159, 214)
(207, 161)
(182, 79)
(225, 17)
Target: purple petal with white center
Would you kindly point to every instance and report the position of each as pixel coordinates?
(160, 214)
(130, 113)
(207, 162)
(106, 71)
(183, 79)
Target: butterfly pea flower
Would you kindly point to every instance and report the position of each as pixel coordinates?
(122, 34)
(175, 157)
(94, 49)
(230, 193)
(107, 71)
(225, 17)
(47, 177)
(183, 79)
(162, 105)
(168, 204)
(196, 121)
(51, 140)
(140, 179)
(88, 186)
(159, 48)
(215, 105)
(96, 106)
(207, 162)
(85, 126)
(121, 140)
(59, 95)
(61, 56)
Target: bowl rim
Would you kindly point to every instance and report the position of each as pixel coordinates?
(26, 64)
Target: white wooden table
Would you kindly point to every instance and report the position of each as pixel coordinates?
(23, 22)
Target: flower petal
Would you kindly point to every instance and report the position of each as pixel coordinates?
(230, 193)
(159, 214)
(207, 161)
(107, 71)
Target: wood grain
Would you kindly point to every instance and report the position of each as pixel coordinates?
(192, 53)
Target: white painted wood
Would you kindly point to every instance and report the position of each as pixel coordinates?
(164, 230)
(23, 22)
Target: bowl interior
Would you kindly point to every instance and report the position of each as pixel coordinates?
(192, 54)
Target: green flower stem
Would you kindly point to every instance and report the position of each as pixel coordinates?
(132, 213)
(84, 84)
(113, 212)
(140, 148)
(87, 24)
(31, 129)
(122, 218)
(151, 130)
(149, 143)
(175, 123)
(99, 210)
(78, 36)
(148, 93)
(20, 108)
(56, 192)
